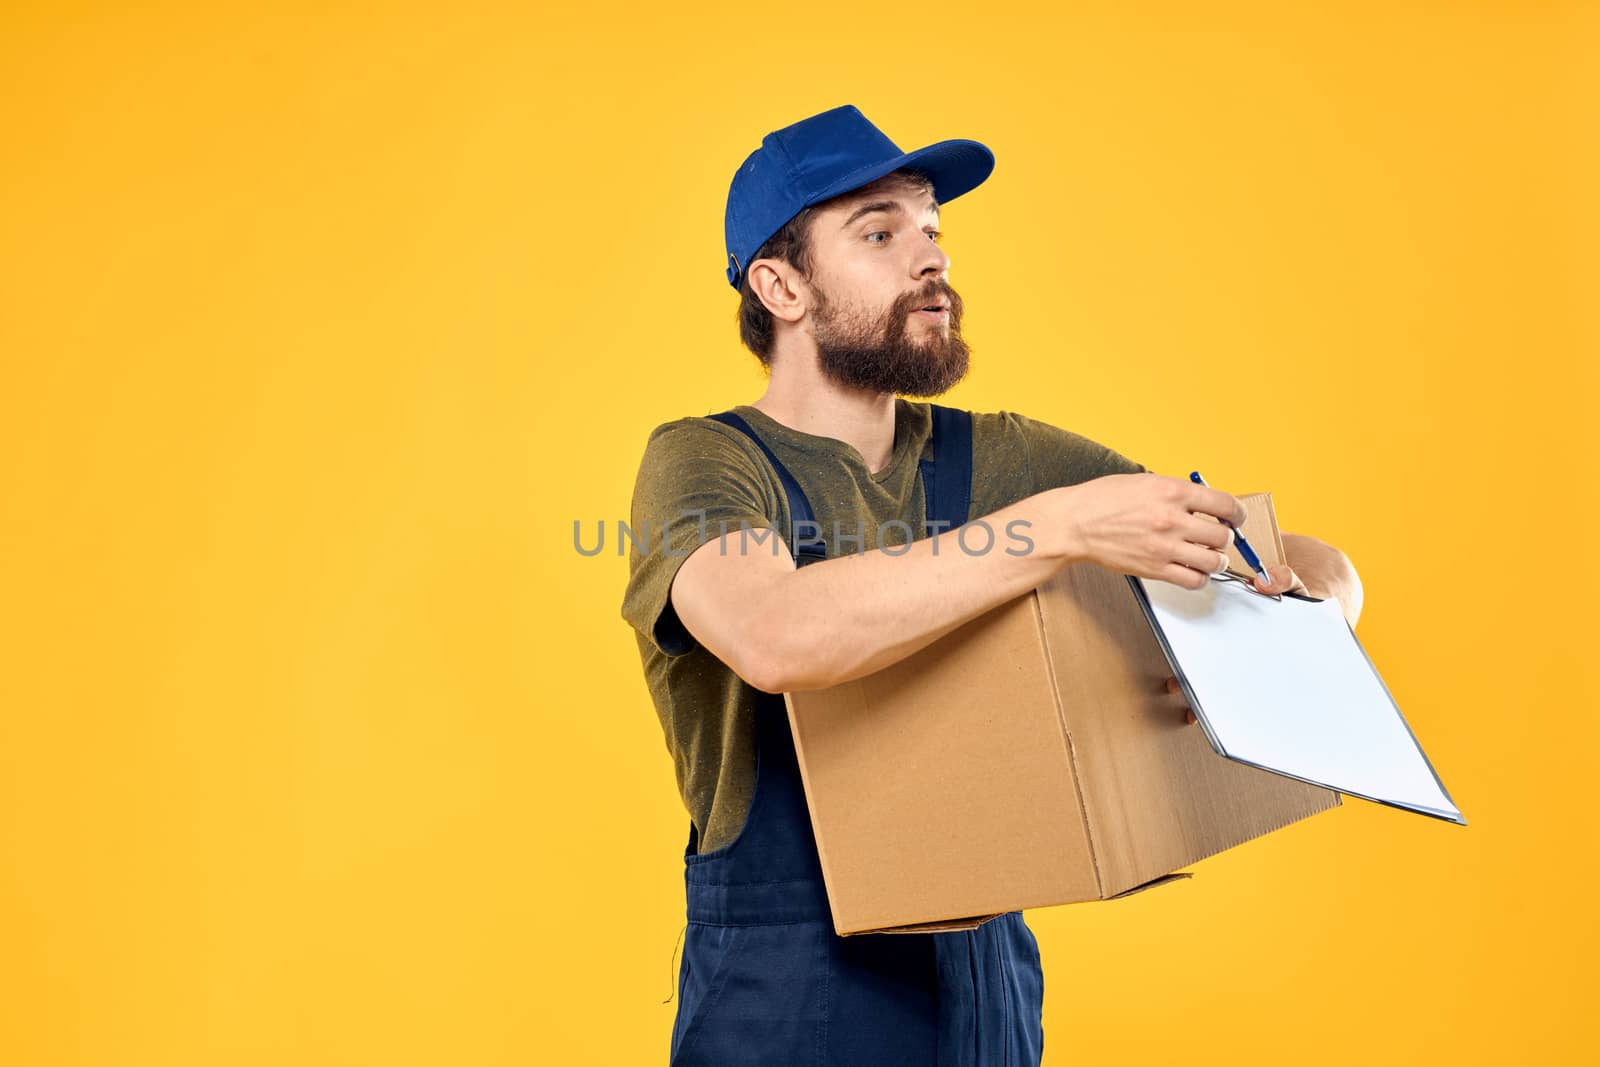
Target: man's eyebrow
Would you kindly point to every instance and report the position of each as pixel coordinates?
(880, 205)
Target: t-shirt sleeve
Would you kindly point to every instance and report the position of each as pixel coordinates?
(694, 482)
(1058, 457)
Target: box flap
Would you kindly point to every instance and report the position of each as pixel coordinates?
(1165, 879)
(952, 926)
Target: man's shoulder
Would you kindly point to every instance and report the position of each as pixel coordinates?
(1050, 454)
(1005, 423)
(697, 434)
(984, 423)
(696, 454)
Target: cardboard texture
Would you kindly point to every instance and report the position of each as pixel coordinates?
(1031, 757)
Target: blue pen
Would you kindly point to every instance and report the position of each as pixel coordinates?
(1239, 542)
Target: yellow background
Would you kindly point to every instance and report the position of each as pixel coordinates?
(320, 743)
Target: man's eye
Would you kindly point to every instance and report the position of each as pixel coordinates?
(933, 235)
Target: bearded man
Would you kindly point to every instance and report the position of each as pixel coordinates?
(794, 543)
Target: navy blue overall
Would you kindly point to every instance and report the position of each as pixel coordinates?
(764, 978)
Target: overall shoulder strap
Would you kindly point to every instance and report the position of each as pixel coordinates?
(808, 546)
(947, 478)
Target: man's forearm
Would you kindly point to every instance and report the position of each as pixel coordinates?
(845, 618)
(1326, 572)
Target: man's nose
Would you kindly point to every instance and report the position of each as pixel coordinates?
(932, 260)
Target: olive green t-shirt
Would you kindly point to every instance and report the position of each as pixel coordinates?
(699, 478)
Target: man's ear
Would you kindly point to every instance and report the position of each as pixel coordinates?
(779, 286)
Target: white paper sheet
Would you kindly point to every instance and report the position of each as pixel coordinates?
(1285, 685)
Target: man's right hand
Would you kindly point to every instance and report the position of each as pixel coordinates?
(1147, 525)
(785, 630)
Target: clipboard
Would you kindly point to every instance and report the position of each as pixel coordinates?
(1284, 684)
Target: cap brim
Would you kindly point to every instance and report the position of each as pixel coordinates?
(955, 167)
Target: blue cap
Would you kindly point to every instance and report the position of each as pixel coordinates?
(826, 156)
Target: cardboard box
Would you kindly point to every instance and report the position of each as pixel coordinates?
(1031, 757)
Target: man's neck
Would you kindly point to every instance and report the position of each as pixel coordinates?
(811, 404)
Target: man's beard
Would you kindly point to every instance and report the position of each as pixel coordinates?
(882, 356)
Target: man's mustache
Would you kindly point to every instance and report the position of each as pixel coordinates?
(933, 294)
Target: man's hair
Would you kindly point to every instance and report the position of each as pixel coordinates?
(792, 244)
